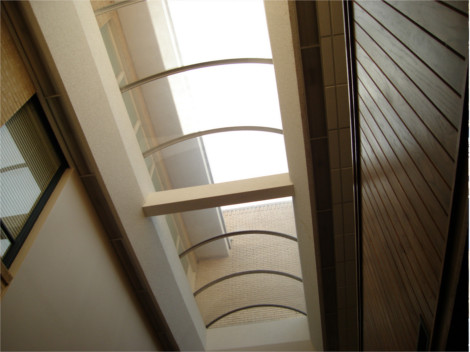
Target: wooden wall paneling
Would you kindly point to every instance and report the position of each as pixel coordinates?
(387, 290)
(407, 251)
(372, 297)
(384, 298)
(427, 138)
(407, 215)
(439, 20)
(438, 57)
(409, 166)
(422, 161)
(410, 65)
(412, 271)
(458, 5)
(442, 96)
(405, 118)
(434, 120)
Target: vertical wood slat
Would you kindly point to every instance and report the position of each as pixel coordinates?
(410, 69)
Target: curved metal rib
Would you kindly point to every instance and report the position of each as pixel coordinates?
(254, 306)
(212, 131)
(248, 272)
(238, 233)
(116, 6)
(174, 71)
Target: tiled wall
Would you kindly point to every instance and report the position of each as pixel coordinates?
(332, 44)
(322, 48)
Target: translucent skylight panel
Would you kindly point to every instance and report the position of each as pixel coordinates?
(213, 30)
(214, 97)
(222, 157)
(150, 37)
(229, 95)
(246, 155)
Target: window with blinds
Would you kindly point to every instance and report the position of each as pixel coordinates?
(30, 167)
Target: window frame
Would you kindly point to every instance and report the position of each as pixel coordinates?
(15, 247)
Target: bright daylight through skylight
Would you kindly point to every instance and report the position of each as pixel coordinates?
(228, 95)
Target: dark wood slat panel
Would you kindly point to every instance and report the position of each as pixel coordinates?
(403, 199)
(437, 183)
(381, 326)
(374, 330)
(414, 192)
(388, 289)
(443, 97)
(441, 128)
(406, 235)
(460, 5)
(444, 62)
(419, 283)
(410, 66)
(389, 298)
(430, 145)
(439, 20)
(376, 321)
(404, 303)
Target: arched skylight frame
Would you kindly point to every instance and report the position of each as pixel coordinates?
(282, 36)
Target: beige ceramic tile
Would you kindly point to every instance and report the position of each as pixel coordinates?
(351, 296)
(347, 184)
(342, 105)
(341, 299)
(342, 324)
(323, 12)
(336, 8)
(345, 147)
(336, 186)
(348, 217)
(350, 272)
(340, 59)
(333, 145)
(337, 219)
(330, 102)
(341, 274)
(349, 247)
(339, 248)
(328, 65)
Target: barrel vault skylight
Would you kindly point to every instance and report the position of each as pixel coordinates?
(199, 86)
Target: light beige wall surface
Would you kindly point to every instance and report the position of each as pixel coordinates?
(70, 293)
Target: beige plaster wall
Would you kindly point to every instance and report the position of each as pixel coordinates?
(70, 293)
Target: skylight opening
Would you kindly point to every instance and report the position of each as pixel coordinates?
(214, 125)
(230, 95)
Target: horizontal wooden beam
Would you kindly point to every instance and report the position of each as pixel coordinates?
(219, 194)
